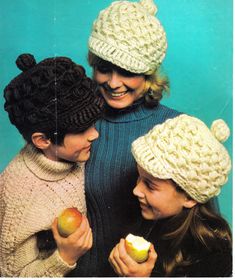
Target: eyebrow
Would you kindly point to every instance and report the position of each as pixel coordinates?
(121, 71)
(150, 182)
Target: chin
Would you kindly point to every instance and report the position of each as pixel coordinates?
(119, 104)
(147, 216)
(83, 158)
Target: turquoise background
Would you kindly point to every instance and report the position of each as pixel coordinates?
(198, 61)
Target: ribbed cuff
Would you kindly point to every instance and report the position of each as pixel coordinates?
(57, 267)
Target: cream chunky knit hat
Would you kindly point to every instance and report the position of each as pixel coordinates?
(185, 150)
(128, 35)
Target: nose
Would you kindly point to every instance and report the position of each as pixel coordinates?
(93, 134)
(114, 81)
(137, 191)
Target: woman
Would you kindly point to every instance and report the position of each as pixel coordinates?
(126, 47)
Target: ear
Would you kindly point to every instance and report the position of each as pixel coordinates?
(189, 202)
(40, 140)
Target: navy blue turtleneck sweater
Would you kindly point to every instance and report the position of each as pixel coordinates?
(111, 174)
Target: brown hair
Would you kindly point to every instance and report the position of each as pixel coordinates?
(200, 223)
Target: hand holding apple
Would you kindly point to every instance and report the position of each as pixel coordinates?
(72, 247)
(124, 265)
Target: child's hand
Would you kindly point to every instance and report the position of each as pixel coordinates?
(124, 265)
(75, 245)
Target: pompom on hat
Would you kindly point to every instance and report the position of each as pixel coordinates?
(185, 150)
(129, 35)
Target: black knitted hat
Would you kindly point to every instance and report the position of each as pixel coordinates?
(53, 95)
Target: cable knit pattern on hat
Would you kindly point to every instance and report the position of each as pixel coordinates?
(33, 191)
(185, 150)
(128, 35)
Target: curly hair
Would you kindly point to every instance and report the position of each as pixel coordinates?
(54, 97)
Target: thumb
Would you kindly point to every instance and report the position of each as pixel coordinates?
(152, 255)
(54, 229)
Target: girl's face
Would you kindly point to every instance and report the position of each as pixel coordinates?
(158, 198)
(75, 148)
(119, 87)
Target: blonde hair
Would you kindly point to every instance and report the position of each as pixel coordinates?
(155, 83)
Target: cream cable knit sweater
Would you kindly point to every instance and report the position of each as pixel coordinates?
(33, 191)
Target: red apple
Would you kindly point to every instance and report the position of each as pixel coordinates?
(68, 221)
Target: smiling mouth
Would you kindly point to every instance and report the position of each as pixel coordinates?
(142, 205)
(118, 94)
(87, 148)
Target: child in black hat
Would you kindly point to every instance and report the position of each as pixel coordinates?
(54, 105)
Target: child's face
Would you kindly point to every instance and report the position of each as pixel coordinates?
(119, 87)
(76, 147)
(158, 198)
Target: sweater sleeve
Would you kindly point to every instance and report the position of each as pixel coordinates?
(24, 259)
(19, 254)
(53, 266)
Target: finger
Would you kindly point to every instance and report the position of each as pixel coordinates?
(88, 239)
(119, 261)
(81, 230)
(55, 229)
(152, 255)
(125, 258)
(113, 263)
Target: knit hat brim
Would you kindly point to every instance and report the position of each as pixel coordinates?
(121, 58)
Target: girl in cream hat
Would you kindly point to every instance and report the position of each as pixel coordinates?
(181, 165)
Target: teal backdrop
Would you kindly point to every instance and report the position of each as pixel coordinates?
(198, 61)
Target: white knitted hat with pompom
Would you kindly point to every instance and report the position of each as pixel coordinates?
(129, 35)
(185, 150)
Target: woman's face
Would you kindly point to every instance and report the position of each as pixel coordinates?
(159, 198)
(119, 87)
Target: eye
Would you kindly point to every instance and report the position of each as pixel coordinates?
(104, 69)
(148, 185)
(126, 73)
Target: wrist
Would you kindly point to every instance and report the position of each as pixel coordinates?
(69, 260)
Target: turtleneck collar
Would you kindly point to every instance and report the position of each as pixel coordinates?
(44, 168)
(137, 111)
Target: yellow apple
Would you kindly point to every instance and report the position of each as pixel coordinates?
(68, 221)
(137, 247)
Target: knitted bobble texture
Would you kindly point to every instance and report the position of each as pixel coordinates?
(149, 6)
(129, 36)
(25, 61)
(220, 130)
(184, 149)
(53, 94)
